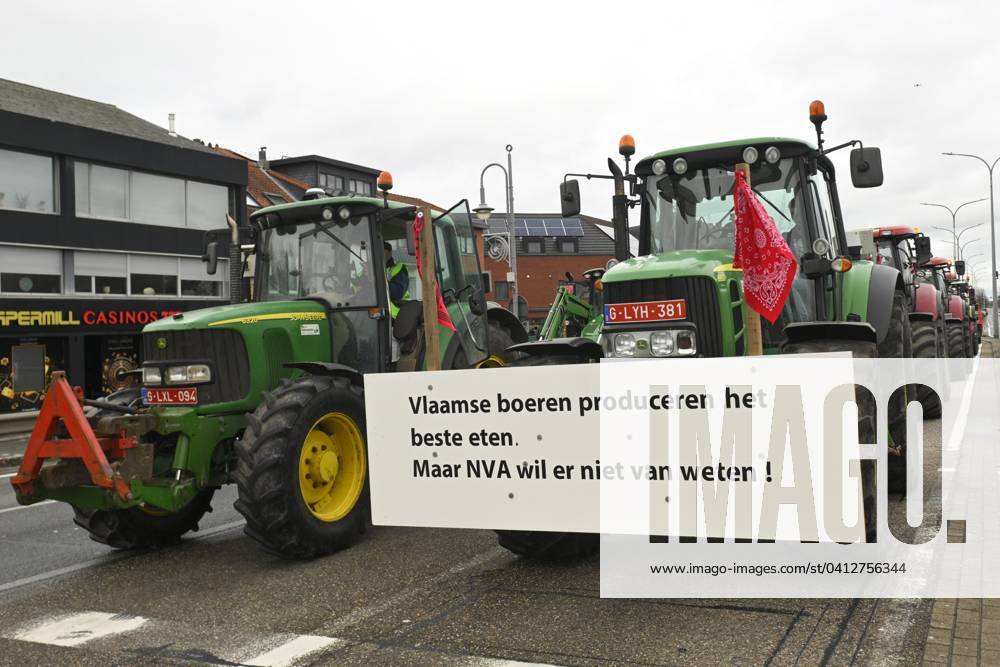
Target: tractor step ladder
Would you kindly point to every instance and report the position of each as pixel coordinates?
(63, 405)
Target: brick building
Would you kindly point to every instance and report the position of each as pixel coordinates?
(548, 246)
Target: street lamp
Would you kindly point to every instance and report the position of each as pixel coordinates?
(961, 249)
(993, 235)
(484, 211)
(953, 214)
(957, 238)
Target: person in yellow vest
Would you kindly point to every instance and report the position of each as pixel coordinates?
(399, 281)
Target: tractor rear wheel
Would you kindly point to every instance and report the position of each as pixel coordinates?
(546, 545)
(143, 527)
(894, 347)
(956, 342)
(302, 468)
(925, 347)
(865, 402)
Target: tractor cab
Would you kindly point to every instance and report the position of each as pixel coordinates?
(341, 252)
(686, 238)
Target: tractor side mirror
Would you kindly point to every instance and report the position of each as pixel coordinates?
(477, 302)
(487, 279)
(923, 247)
(866, 167)
(960, 267)
(569, 196)
(211, 257)
(411, 245)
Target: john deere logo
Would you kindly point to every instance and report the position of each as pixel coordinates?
(161, 343)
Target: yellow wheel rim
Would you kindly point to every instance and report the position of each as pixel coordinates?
(492, 361)
(332, 467)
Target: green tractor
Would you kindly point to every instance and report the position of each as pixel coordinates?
(575, 307)
(269, 394)
(681, 296)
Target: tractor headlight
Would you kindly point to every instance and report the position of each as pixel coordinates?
(193, 374)
(661, 343)
(625, 345)
(750, 155)
(686, 344)
(659, 167)
(680, 166)
(151, 376)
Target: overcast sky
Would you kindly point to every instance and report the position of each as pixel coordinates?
(433, 91)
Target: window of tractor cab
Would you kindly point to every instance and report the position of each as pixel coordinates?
(331, 258)
(884, 255)
(819, 185)
(694, 211)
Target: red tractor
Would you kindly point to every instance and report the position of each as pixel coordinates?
(956, 325)
(907, 250)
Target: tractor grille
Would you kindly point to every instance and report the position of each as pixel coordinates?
(222, 348)
(699, 293)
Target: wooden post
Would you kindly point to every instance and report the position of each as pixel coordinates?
(428, 288)
(754, 338)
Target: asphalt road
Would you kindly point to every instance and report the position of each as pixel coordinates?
(401, 597)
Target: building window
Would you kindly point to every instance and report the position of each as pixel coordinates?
(152, 275)
(30, 270)
(27, 182)
(360, 187)
(119, 194)
(99, 272)
(275, 199)
(501, 289)
(567, 246)
(331, 181)
(533, 246)
(196, 282)
(207, 205)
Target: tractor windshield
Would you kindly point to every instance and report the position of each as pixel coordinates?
(694, 211)
(328, 257)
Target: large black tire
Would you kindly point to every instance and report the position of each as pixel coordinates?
(866, 421)
(498, 339)
(138, 528)
(893, 346)
(924, 335)
(969, 343)
(544, 545)
(267, 471)
(956, 341)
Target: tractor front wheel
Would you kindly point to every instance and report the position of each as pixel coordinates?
(925, 347)
(143, 527)
(302, 468)
(865, 402)
(544, 545)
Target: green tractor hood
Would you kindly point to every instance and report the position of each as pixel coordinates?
(240, 314)
(670, 264)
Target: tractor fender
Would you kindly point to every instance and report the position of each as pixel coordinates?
(798, 332)
(329, 369)
(922, 317)
(882, 286)
(507, 320)
(561, 346)
(956, 308)
(926, 301)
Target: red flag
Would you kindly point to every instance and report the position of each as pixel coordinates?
(444, 319)
(767, 262)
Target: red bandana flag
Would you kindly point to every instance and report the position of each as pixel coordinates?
(444, 319)
(767, 262)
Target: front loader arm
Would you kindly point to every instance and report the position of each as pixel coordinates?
(567, 308)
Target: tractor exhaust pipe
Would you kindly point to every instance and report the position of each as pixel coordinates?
(235, 261)
(619, 213)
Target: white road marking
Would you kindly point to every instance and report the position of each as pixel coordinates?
(26, 507)
(77, 629)
(497, 662)
(288, 653)
(10, 474)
